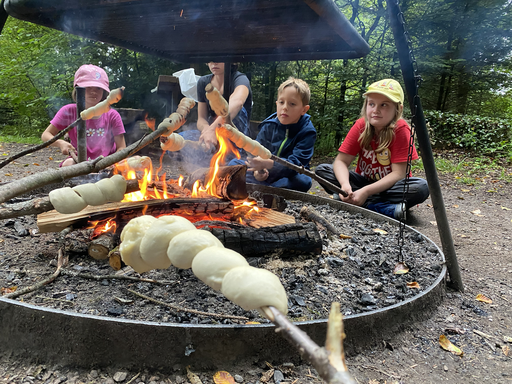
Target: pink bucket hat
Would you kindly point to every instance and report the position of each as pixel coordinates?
(89, 75)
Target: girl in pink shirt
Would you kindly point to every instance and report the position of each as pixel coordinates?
(105, 135)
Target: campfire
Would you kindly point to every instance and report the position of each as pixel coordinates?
(213, 198)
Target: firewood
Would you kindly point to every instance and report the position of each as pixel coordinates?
(100, 247)
(290, 239)
(114, 259)
(310, 214)
(230, 182)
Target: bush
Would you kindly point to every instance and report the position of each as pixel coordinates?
(480, 135)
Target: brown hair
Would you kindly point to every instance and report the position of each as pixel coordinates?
(73, 95)
(385, 136)
(300, 85)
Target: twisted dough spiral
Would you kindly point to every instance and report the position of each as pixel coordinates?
(71, 200)
(144, 239)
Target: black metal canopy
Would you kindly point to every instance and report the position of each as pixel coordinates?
(205, 30)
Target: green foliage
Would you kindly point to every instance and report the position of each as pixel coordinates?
(481, 135)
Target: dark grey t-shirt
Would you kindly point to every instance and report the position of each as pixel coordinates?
(237, 79)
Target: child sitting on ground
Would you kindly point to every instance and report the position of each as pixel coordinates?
(288, 134)
(380, 139)
(105, 135)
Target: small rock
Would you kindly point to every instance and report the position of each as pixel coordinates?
(367, 299)
(93, 374)
(239, 379)
(179, 379)
(278, 376)
(120, 376)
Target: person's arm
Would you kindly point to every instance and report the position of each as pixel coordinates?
(63, 145)
(120, 142)
(340, 167)
(237, 100)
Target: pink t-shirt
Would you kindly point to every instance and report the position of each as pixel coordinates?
(100, 132)
(374, 166)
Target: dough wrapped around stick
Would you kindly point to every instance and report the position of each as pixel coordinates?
(222, 269)
(244, 142)
(103, 106)
(154, 244)
(71, 200)
(178, 118)
(219, 105)
(173, 143)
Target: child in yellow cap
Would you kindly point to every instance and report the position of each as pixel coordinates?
(380, 140)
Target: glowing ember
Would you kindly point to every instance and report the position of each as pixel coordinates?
(102, 226)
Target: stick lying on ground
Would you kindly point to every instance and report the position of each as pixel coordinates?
(256, 149)
(27, 184)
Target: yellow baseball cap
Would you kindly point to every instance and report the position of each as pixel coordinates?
(389, 88)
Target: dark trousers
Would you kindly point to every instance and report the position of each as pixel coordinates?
(416, 194)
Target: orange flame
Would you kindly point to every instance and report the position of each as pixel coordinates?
(225, 148)
(102, 226)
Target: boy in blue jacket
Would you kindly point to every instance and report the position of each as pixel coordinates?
(288, 134)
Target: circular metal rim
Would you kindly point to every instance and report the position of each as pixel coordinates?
(71, 339)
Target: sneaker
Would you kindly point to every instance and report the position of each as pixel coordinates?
(395, 211)
(336, 196)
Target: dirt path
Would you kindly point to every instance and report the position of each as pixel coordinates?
(480, 218)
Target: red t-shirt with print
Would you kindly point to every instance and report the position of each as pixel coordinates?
(375, 166)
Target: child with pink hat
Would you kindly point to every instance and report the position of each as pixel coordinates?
(380, 142)
(105, 135)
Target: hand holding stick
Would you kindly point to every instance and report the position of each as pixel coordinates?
(256, 149)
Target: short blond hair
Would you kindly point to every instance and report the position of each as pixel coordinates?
(300, 85)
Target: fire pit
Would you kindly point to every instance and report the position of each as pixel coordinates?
(84, 339)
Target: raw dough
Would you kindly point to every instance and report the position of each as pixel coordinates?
(66, 201)
(185, 246)
(253, 288)
(211, 264)
(131, 237)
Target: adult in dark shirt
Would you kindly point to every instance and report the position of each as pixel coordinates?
(240, 105)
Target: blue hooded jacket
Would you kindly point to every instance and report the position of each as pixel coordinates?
(297, 149)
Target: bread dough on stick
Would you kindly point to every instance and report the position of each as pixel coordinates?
(253, 288)
(172, 123)
(174, 143)
(219, 105)
(131, 237)
(212, 263)
(66, 200)
(103, 106)
(242, 141)
(91, 194)
(184, 247)
(154, 244)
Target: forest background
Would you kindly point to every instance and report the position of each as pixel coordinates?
(462, 51)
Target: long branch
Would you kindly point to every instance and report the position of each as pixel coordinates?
(40, 146)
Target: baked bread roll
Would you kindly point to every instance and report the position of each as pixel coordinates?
(131, 237)
(186, 245)
(253, 288)
(211, 264)
(66, 200)
(113, 189)
(154, 244)
(174, 143)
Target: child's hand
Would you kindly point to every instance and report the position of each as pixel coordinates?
(257, 163)
(65, 147)
(261, 175)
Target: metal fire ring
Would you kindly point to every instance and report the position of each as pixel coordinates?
(71, 339)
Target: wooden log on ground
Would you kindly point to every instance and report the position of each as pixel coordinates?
(290, 239)
(100, 247)
(230, 181)
(114, 259)
(309, 214)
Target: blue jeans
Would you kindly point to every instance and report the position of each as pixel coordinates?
(299, 182)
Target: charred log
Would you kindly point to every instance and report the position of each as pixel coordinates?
(230, 182)
(290, 239)
(100, 247)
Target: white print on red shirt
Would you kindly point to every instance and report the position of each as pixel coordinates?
(375, 166)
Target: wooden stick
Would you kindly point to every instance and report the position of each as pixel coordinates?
(329, 361)
(111, 277)
(40, 179)
(313, 175)
(311, 215)
(41, 146)
(183, 309)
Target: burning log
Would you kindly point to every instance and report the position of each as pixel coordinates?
(229, 184)
(290, 239)
(99, 248)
